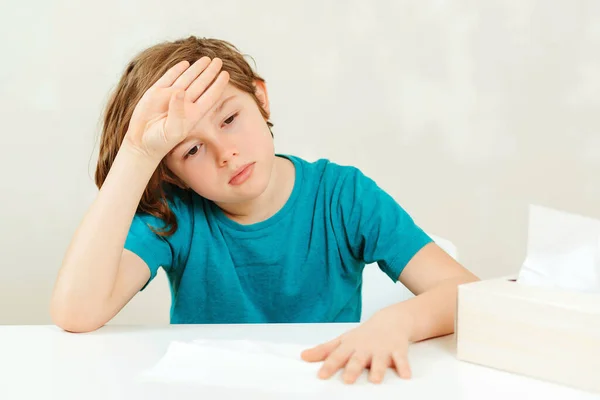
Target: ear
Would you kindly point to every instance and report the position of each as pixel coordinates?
(262, 95)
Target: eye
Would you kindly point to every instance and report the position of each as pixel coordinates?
(230, 120)
(193, 151)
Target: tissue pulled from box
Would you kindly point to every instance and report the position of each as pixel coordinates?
(563, 251)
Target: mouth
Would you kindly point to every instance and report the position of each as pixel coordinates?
(242, 174)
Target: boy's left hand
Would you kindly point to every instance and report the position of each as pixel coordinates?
(379, 343)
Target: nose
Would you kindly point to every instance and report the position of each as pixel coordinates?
(225, 152)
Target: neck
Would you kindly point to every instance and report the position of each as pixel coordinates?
(270, 201)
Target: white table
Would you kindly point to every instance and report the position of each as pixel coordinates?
(43, 362)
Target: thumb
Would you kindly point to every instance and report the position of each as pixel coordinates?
(174, 125)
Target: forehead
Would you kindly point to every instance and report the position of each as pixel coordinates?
(229, 95)
(231, 90)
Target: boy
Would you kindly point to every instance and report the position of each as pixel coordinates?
(189, 181)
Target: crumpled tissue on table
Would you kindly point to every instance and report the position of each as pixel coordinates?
(246, 364)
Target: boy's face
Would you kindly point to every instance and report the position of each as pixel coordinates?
(228, 157)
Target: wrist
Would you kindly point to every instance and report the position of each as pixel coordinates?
(403, 318)
(131, 168)
(139, 157)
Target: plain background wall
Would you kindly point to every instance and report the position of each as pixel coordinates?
(465, 111)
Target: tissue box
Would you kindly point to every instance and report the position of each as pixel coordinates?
(544, 333)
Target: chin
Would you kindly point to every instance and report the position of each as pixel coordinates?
(256, 185)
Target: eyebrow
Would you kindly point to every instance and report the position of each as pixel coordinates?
(220, 106)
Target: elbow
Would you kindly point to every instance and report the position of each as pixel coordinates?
(470, 277)
(75, 326)
(463, 277)
(74, 319)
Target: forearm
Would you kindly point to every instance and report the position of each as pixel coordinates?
(431, 314)
(90, 266)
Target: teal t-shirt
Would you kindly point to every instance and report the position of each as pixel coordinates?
(304, 264)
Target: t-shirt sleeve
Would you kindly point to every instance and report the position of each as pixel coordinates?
(377, 229)
(154, 249)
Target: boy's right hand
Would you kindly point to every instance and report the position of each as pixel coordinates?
(171, 107)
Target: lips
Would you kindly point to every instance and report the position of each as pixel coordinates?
(242, 174)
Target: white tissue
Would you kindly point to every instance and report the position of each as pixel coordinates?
(563, 251)
(237, 363)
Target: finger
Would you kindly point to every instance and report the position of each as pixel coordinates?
(209, 98)
(171, 75)
(356, 365)
(202, 82)
(379, 364)
(401, 365)
(320, 352)
(174, 124)
(334, 362)
(185, 79)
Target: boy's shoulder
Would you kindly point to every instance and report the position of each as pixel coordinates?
(340, 181)
(324, 169)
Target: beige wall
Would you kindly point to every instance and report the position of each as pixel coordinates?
(465, 111)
